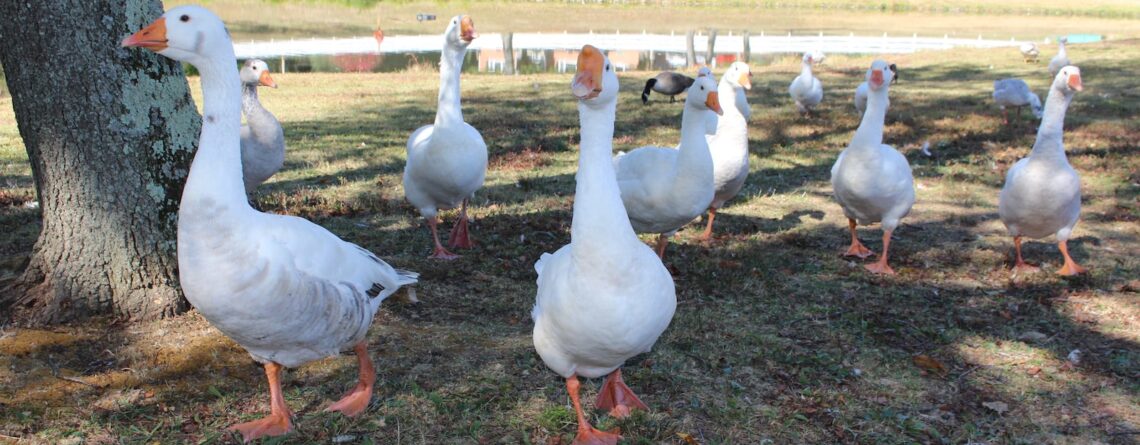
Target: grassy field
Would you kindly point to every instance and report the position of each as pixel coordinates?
(776, 340)
(1032, 19)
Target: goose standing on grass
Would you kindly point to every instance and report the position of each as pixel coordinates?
(605, 297)
(447, 161)
(262, 140)
(664, 188)
(872, 180)
(1015, 93)
(285, 289)
(1042, 192)
(806, 90)
(1060, 60)
(729, 146)
(668, 83)
(861, 90)
(1029, 52)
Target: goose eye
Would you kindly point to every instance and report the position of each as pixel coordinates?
(607, 67)
(184, 18)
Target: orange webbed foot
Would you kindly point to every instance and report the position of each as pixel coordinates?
(269, 426)
(459, 238)
(1025, 268)
(353, 403)
(616, 397)
(1071, 269)
(880, 268)
(592, 436)
(857, 249)
(441, 253)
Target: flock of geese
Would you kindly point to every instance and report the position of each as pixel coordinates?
(290, 292)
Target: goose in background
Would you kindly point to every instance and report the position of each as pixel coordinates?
(861, 90)
(668, 83)
(872, 180)
(806, 90)
(605, 297)
(285, 289)
(447, 160)
(1060, 60)
(1029, 52)
(664, 188)
(1042, 192)
(729, 145)
(1015, 93)
(262, 140)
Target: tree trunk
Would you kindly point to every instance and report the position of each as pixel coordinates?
(110, 133)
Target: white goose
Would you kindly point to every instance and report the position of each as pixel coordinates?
(1060, 60)
(1015, 93)
(729, 146)
(1042, 192)
(806, 90)
(262, 140)
(1029, 52)
(285, 289)
(447, 161)
(862, 90)
(604, 297)
(872, 180)
(665, 188)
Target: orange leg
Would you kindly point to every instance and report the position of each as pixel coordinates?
(1020, 264)
(881, 267)
(277, 422)
(1070, 267)
(617, 397)
(587, 434)
(459, 237)
(707, 235)
(356, 399)
(662, 241)
(440, 252)
(857, 248)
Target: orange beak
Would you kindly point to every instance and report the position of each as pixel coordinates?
(153, 37)
(876, 78)
(587, 82)
(265, 80)
(713, 102)
(467, 29)
(746, 80)
(1075, 82)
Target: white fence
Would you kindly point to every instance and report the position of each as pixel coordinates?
(725, 44)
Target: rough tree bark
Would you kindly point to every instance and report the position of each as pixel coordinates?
(110, 133)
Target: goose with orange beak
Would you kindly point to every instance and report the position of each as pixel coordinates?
(262, 139)
(285, 289)
(447, 160)
(605, 297)
(1042, 192)
(871, 180)
(664, 188)
(729, 145)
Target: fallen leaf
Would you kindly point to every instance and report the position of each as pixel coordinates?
(999, 407)
(1034, 370)
(1075, 356)
(929, 364)
(688, 438)
(1006, 315)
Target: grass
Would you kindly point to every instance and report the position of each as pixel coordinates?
(777, 339)
(1032, 19)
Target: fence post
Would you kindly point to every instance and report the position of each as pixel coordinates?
(747, 47)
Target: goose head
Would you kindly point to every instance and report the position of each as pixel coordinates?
(460, 31)
(739, 75)
(256, 72)
(186, 34)
(894, 73)
(703, 96)
(879, 76)
(1068, 80)
(1035, 105)
(808, 59)
(595, 83)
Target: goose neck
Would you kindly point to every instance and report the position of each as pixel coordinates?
(1050, 134)
(870, 131)
(600, 219)
(216, 170)
(693, 160)
(450, 66)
